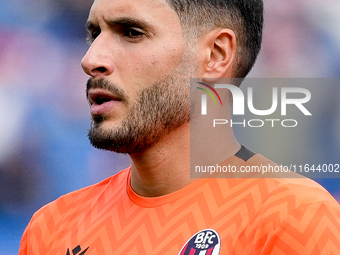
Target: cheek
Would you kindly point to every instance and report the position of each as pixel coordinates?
(145, 68)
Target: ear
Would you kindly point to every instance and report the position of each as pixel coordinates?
(216, 54)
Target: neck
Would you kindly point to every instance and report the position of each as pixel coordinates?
(165, 167)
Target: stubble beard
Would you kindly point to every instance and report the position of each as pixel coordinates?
(158, 110)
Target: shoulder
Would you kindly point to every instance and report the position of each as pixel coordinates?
(284, 184)
(68, 210)
(289, 188)
(300, 216)
(295, 215)
(77, 201)
(266, 183)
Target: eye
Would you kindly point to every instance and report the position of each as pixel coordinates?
(133, 33)
(92, 36)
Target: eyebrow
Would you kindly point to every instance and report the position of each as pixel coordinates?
(91, 25)
(124, 21)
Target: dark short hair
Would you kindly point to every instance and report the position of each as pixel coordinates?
(244, 17)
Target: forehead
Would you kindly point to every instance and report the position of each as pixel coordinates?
(151, 11)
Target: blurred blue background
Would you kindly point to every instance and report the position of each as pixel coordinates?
(44, 117)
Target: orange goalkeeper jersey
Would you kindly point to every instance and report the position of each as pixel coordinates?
(207, 217)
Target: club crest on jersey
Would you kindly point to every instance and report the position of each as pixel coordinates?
(205, 242)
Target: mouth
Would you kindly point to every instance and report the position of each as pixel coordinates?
(100, 96)
(101, 100)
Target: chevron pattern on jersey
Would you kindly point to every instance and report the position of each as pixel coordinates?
(251, 216)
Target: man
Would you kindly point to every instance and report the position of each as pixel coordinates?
(142, 55)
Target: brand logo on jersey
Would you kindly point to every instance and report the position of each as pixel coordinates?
(205, 242)
(76, 251)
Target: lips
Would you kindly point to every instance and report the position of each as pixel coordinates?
(101, 101)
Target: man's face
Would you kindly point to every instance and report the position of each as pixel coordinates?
(140, 68)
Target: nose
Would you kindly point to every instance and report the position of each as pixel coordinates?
(98, 61)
